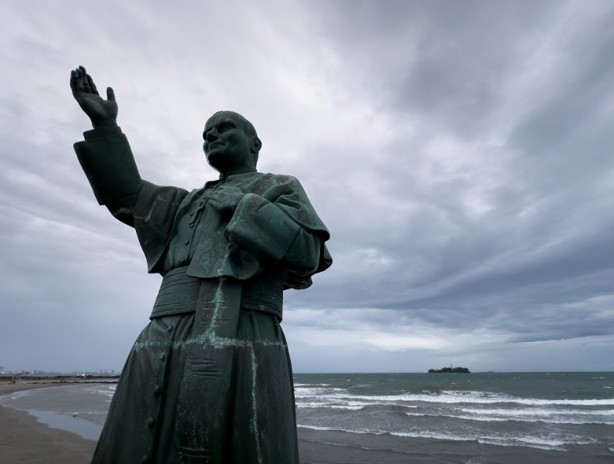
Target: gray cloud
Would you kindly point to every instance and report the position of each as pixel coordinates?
(460, 154)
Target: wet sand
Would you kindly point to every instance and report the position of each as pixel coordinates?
(25, 440)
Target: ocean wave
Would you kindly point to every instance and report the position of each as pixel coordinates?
(308, 385)
(546, 443)
(314, 405)
(341, 403)
(306, 392)
(493, 398)
(15, 395)
(540, 412)
(448, 397)
(513, 418)
(107, 391)
(544, 421)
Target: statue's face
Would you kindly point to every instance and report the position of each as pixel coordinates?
(227, 146)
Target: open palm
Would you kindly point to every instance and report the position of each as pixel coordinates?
(101, 112)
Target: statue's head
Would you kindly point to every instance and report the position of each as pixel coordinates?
(231, 142)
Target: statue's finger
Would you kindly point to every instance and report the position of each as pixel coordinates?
(93, 88)
(110, 94)
(74, 78)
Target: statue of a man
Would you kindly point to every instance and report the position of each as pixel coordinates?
(209, 378)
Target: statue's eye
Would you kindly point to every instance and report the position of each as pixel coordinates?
(224, 126)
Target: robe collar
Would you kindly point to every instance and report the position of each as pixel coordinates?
(224, 177)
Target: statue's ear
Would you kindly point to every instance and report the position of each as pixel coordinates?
(256, 145)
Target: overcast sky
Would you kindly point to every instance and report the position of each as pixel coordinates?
(461, 154)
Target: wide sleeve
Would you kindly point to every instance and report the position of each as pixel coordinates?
(155, 212)
(281, 227)
(108, 163)
(107, 160)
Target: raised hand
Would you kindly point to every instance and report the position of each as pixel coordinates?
(100, 111)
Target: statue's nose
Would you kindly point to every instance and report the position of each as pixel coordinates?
(211, 135)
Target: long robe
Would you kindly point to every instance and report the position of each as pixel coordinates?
(209, 379)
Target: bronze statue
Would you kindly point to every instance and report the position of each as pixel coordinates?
(209, 379)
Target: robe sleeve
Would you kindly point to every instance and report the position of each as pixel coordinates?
(108, 163)
(281, 227)
(154, 217)
(107, 160)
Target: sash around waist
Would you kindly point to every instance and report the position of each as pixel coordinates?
(179, 294)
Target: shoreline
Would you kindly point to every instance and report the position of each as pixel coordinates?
(24, 439)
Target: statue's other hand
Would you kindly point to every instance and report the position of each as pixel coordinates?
(100, 111)
(226, 199)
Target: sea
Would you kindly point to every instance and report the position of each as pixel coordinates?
(562, 411)
(551, 411)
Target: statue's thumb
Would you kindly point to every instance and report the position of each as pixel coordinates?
(110, 94)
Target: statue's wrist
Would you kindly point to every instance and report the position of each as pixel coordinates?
(96, 123)
(102, 131)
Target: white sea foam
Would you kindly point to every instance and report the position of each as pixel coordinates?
(305, 392)
(313, 405)
(534, 420)
(16, 395)
(540, 412)
(529, 442)
(493, 398)
(553, 416)
(107, 391)
(301, 385)
(448, 397)
(547, 443)
(512, 417)
(417, 434)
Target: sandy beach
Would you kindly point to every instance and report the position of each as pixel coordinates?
(25, 440)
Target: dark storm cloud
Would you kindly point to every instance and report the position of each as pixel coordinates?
(544, 241)
(447, 61)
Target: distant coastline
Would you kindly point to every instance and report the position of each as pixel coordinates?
(452, 370)
(8, 379)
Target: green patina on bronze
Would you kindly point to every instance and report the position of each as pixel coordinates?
(209, 379)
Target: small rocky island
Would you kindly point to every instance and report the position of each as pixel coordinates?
(452, 370)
